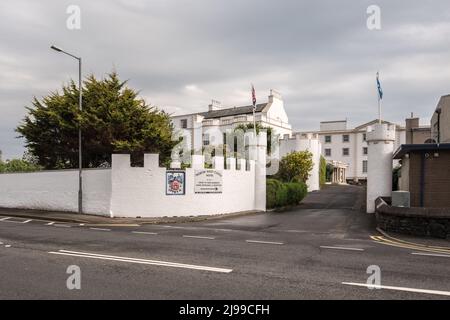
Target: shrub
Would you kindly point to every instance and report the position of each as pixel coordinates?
(279, 194)
(272, 186)
(296, 166)
(322, 171)
(295, 193)
(17, 165)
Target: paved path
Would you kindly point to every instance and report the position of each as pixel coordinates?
(320, 250)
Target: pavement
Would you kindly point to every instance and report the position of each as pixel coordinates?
(89, 219)
(322, 249)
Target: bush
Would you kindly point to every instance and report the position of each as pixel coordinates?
(272, 186)
(322, 171)
(279, 194)
(17, 165)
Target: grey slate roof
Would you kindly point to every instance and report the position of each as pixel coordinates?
(233, 111)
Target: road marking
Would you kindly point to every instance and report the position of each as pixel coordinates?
(382, 240)
(143, 232)
(437, 292)
(21, 222)
(342, 248)
(431, 254)
(81, 224)
(392, 239)
(100, 229)
(264, 242)
(62, 225)
(199, 237)
(50, 224)
(8, 246)
(140, 261)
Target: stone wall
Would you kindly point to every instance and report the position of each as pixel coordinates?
(429, 222)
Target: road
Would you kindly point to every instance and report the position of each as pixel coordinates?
(319, 250)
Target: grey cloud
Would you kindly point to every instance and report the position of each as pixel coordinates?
(319, 54)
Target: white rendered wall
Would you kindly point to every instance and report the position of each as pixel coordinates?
(311, 144)
(141, 192)
(56, 190)
(380, 138)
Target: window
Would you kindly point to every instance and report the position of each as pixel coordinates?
(365, 151)
(364, 137)
(327, 139)
(345, 151)
(206, 139)
(364, 166)
(345, 138)
(328, 152)
(183, 123)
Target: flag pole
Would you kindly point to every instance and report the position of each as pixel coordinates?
(379, 110)
(254, 109)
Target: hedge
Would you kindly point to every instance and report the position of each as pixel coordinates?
(279, 194)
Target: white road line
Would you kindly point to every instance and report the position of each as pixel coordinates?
(199, 237)
(8, 246)
(342, 248)
(143, 232)
(431, 254)
(81, 224)
(100, 229)
(264, 242)
(140, 261)
(6, 218)
(27, 221)
(437, 292)
(62, 225)
(50, 224)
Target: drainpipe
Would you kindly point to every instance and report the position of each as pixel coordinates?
(422, 179)
(438, 111)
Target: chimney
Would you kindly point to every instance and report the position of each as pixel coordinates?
(411, 124)
(215, 105)
(274, 95)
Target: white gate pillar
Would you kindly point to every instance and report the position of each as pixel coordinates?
(380, 140)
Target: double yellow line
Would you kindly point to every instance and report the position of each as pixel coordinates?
(391, 241)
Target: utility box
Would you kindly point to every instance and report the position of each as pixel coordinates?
(401, 199)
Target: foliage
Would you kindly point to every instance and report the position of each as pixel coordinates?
(296, 166)
(279, 194)
(18, 165)
(272, 139)
(113, 119)
(329, 173)
(322, 171)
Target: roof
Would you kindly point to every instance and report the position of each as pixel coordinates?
(427, 147)
(376, 121)
(232, 111)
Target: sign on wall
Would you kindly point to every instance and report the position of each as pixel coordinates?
(175, 182)
(208, 181)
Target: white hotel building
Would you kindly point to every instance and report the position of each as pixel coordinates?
(348, 146)
(202, 126)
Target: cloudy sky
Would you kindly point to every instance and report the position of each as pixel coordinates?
(181, 54)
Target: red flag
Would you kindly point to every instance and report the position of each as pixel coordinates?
(254, 97)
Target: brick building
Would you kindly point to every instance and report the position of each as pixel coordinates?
(426, 174)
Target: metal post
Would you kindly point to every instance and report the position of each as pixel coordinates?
(80, 149)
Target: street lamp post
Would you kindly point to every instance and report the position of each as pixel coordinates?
(80, 150)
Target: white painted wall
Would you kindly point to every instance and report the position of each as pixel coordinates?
(142, 191)
(57, 190)
(380, 138)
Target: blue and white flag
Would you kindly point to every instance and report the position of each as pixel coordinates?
(380, 91)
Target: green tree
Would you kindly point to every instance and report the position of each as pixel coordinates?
(296, 166)
(323, 171)
(114, 119)
(18, 165)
